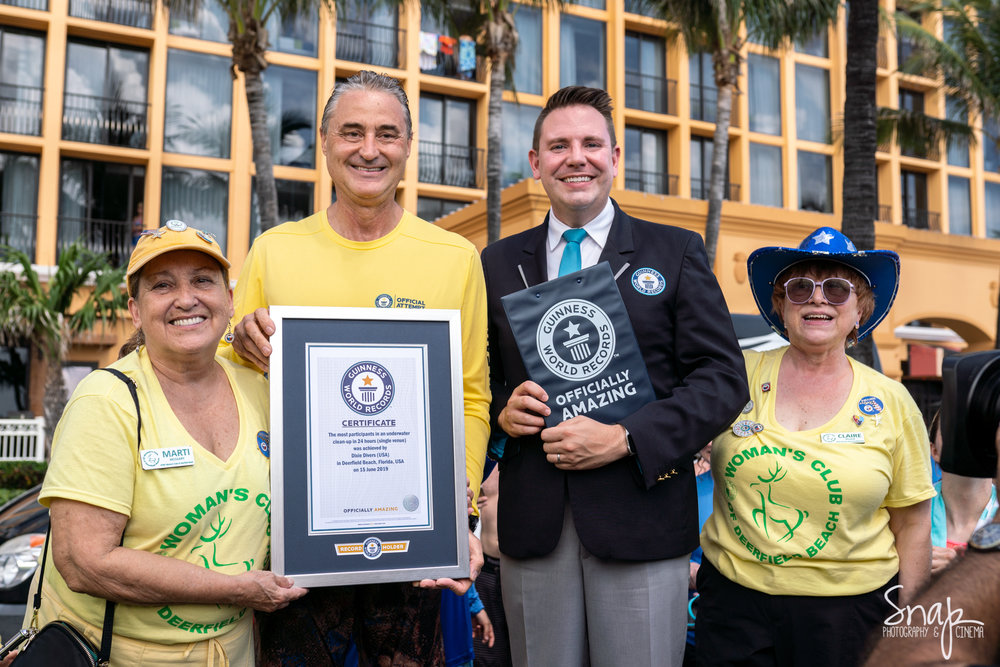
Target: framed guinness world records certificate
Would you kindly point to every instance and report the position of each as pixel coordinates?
(367, 445)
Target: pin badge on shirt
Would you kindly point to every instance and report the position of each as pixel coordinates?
(264, 443)
(766, 386)
(743, 428)
(858, 419)
(748, 407)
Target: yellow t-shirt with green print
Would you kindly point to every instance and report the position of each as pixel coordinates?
(805, 512)
(213, 513)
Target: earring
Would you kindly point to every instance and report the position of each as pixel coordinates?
(229, 333)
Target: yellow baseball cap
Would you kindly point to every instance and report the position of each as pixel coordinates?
(175, 235)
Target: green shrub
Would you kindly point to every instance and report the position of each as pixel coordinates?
(21, 474)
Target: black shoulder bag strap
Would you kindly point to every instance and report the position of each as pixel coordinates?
(104, 655)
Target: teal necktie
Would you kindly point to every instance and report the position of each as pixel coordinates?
(570, 261)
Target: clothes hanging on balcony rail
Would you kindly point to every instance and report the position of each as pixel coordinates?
(466, 55)
(428, 50)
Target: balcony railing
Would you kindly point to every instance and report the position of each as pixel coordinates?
(104, 120)
(884, 213)
(447, 164)
(369, 43)
(446, 64)
(18, 231)
(925, 153)
(704, 100)
(113, 237)
(42, 5)
(650, 93)
(882, 54)
(20, 109)
(655, 182)
(699, 190)
(134, 13)
(921, 218)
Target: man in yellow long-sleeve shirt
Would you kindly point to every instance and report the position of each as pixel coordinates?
(367, 251)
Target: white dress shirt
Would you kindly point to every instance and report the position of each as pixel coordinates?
(590, 248)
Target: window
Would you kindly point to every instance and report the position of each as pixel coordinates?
(199, 198)
(913, 102)
(199, 104)
(764, 90)
(528, 56)
(815, 45)
(296, 34)
(291, 113)
(97, 201)
(22, 64)
(812, 103)
(447, 141)
(518, 127)
(18, 201)
(991, 135)
(992, 208)
(581, 52)
(959, 208)
(209, 22)
(596, 4)
(815, 182)
(646, 161)
(914, 195)
(105, 96)
(906, 47)
(295, 201)
(133, 13)
(765, 175)
(646, 86)
(432, 208)
(958, 147)
(368, 33)
(704, 94)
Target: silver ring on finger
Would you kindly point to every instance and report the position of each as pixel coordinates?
(558, 458)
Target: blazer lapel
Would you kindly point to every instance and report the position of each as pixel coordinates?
(533, 261)
(620, 244)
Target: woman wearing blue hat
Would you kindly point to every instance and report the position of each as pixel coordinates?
(822, 494)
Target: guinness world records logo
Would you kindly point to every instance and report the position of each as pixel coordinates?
(367, 388)
(575, 339)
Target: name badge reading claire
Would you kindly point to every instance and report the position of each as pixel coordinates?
(855, 438)
(168, 457)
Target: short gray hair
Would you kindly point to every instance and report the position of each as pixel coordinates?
(371, 81)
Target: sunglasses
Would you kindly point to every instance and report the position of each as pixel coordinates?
(836, 290)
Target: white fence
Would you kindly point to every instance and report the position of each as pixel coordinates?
(22, 439)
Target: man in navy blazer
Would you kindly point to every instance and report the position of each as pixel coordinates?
(597, 521)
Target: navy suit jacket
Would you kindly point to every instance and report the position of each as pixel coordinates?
(635, 509)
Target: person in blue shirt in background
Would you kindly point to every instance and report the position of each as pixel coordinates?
(703, 480)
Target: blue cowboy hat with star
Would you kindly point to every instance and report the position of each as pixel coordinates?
(879, 267)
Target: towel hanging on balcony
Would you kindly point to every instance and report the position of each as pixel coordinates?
(428, 50)
(466, 55)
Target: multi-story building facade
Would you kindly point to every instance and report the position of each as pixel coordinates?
(114, 112)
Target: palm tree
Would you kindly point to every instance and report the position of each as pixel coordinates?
(248, 35)
(41, 316)
(714, 26)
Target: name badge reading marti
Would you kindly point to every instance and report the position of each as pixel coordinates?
(170, 457)
(855, 438)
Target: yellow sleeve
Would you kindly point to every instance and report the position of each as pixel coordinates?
(247, 297)
(475, 373)
(911, 460)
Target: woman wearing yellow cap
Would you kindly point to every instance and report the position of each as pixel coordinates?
(190, 491)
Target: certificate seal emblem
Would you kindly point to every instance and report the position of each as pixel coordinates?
(150, 458)
(411, 503)
(648, 281)
(871, 405)
(575, 339)
(367, 388)
(383, 301)
(371, 548)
